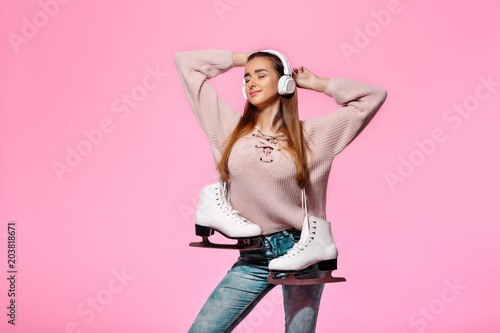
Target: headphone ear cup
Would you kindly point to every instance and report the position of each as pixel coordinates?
(290, 85)
(244, 93)
(243, 89)
(286, 85)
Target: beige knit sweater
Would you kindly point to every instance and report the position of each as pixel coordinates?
(262, 186)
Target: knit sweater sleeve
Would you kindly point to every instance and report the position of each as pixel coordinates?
(216, 118)
(360, 102)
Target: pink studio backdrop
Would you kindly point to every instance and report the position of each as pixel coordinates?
(102, 234)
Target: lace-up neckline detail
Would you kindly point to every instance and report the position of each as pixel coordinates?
(267, 143)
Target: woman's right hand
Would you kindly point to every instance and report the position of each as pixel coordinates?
(241, 58)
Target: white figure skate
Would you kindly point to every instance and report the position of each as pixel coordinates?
(215, 213)
(316, 245)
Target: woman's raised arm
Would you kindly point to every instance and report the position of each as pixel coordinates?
(360, 102)
(195, 68)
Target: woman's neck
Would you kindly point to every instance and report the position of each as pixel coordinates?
(266, 117)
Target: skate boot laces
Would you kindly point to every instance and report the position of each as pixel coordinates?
(307, 234)
(227, 209)
(234, 214)
(304, 242)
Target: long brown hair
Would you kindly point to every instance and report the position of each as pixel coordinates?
(291, 125)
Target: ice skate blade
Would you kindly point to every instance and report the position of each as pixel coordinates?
(290, 280)
(242, 244)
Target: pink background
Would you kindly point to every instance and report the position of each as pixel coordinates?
(419, 255)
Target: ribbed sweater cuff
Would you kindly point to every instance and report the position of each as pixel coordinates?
(227, 58)
(330, 87)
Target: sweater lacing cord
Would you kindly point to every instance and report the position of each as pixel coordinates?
(268, 143)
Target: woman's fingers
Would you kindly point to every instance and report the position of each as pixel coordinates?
(300, 69)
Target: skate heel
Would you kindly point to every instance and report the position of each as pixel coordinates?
(203, 231)
(327, 265)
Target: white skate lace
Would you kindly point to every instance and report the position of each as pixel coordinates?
(235, 215)
(310, 229)
(296, 249)
(230, 211)
(299, 247)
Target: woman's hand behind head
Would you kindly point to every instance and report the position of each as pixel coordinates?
(303, 77)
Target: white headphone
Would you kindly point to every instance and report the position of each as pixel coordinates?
(286, 83)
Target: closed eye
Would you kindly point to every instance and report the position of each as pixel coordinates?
(260, 76)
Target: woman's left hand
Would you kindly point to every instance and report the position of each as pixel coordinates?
(304, 77)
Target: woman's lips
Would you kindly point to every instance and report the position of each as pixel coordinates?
(255, 92)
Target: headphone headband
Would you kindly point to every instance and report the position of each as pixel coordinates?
(286, 65)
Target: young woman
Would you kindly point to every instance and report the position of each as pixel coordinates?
(268, 155)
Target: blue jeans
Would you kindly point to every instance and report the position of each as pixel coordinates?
(246, 284)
